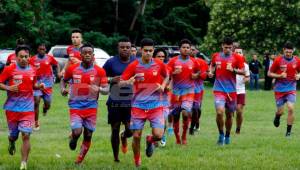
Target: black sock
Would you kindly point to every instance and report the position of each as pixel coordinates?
(277, 116)
(238, 129)
(227, 134)
(221, 132)
(289, 128)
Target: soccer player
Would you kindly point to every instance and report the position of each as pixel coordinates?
(225, 65)
(241, 92)
(43, 64)
(198, 96)
(86, 81)
(119, 101)
(161, 54)
(146, 76)
(183, 71)
(285, 69)
(73, 51)
(11, 59)
(19, 80)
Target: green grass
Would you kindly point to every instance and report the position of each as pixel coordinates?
(260, 145)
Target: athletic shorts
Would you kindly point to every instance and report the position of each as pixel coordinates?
(83, 118)
(166, 112)
(19, 122)
(46, 94)
(184, 101)
(225, 100)
(118, 114)
(284, 97)
(139, 117)
(241, 99)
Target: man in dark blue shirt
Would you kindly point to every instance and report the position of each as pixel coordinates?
(254, 67)
(119, 101)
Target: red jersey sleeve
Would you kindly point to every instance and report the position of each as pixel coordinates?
(129, 71)
(170, 65)
(298, 64)
(102, 76)
(203, 69)
(5, 74)
(53, 60)
(239, 62)
(275, 66)
(69, 72)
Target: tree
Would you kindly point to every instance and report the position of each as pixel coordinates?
(260, 25)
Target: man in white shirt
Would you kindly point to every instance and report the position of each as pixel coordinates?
(241, 92)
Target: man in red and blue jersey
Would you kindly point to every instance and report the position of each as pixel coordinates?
(198, 96)
(43, 64)
(19, 80)
(146, 75)
(73, 51)
(225, 65)
(285, 69)
(183, 71)
(86, 81)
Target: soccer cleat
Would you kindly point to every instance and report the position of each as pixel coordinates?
(163, 141)
(237, 131)
(123, 143)
(149, 146)
(197, 129)
(11, 148)
(23, 166)
(72, 143)
(36, 125)
(170, 131)
(221, 140)
(227, 140)
(44, 111)
(138, 162)
(288, 134)
(276, 121)
(79, 160)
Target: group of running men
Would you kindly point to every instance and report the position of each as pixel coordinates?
(145, 88)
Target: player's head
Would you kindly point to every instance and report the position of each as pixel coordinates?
(124, 46)
(20, 41)
(22, 54)
(87, 53)
(41, 49)
(76, 37)
(185, 47)
(227, 45)
(147, 46)
(288, 49)
(161, 54)
(254, 56)
(133, 50)
(194, 51)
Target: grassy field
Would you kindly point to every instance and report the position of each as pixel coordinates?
(259, 146)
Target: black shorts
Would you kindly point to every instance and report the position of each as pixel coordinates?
(118, 114)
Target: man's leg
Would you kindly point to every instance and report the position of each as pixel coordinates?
(74, 138)
(115, 140)
(176, 118)
(256, 81)
(239, 118)
(280, 101)
(251, 81)
(37, 100)
(25, 149)
(47, 96)
(85, 146)
(127, 133)
(185, 125)
(228, 125)
(290, 118)
(220, 123)
(136, 146)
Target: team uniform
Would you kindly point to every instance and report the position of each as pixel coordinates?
(182, 83)
(240, 86)
(146, 103)
(11, 59)
(83, 100)
(44, 73)
(119, 100)
(72, 51)
(19, 105)
(285, 88)
(225, 83)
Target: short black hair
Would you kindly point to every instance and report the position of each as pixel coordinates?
(20, 48)
(288, 45)
(42, 44)
(147, 42)
(76, 30)
(20, 41)
(124, 39)
(86, 44)
(133, 46)
(157, 50)
(227, 41)
(185, 41)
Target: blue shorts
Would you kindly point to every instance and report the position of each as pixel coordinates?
(282, 98)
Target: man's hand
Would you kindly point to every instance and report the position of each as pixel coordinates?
(297, 76)
(64, 92)
(13, 88)
(41, 86)
(195, 76)
(229, 67)
(115, 79)
(283, 75)
(160, 88)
